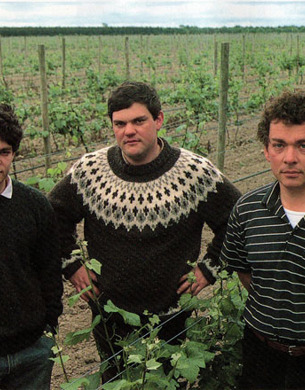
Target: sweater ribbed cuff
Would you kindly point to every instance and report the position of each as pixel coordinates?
(71, 268)
(209, 273)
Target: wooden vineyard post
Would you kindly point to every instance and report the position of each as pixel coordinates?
(25, 49)
(63, 46)
(215, 56)
(244, 56)
(99, 55)
(223, 99)
(298, 60)
(290, 53)
(142, 50)
(127, 58)
(1, 66)
(1, 62)
(44, 106)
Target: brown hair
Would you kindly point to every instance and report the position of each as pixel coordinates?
(10, 129)
(288, 108)
(131, 92)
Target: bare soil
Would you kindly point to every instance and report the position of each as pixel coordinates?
(83, 357)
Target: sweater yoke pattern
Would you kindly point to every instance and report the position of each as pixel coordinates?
(137, 204)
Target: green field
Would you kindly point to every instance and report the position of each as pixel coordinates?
(185, 69)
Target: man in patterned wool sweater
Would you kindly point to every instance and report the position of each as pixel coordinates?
(144, 205)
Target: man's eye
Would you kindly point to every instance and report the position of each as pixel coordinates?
(5, 152)
(277, 146)
(139, 121)
(302, 146)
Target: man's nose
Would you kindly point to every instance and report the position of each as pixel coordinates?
(130, 128)
(291, 154)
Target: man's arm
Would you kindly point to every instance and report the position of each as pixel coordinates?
(216, 212)
(233, 254)
(47, 262)
(245, 279)
(69, 212)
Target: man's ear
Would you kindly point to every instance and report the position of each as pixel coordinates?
(266, 153)
(159, 120)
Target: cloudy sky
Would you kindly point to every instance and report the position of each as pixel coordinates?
(171, 13)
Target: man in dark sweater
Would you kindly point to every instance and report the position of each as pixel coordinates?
(30, 273)
(144, 204)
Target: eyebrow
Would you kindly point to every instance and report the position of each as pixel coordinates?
(6, 149)
(132, 120)
(300, 141)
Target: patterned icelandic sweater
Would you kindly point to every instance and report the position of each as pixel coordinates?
(143, 223)
(30, 269)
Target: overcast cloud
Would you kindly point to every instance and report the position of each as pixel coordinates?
(164, 13)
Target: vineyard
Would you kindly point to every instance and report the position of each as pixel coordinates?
(59, 87)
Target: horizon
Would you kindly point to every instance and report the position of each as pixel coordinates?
(163, 26)
(152, 13)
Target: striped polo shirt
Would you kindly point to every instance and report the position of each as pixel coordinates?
(261, 240)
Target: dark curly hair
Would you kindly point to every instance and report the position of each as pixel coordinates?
(10, 129)
(288, 108)
(131, 92)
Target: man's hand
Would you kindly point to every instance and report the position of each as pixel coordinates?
(193, 288)
(80, 281)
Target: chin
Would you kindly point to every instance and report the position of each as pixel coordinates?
(293, 185)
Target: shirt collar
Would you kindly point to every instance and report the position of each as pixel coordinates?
(272, 200)
(8, 192)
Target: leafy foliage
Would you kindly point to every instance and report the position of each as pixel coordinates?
(46, 183)
(209, 356)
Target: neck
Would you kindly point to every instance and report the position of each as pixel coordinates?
(293, 199)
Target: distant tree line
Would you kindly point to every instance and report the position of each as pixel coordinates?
(108, 30)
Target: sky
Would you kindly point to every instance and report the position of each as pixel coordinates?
(162, 13)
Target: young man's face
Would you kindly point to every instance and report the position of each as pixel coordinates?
(136, 132)
(6, 158)
(286, 154)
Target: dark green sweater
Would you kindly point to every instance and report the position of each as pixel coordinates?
(143, 223)
(30, 270)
